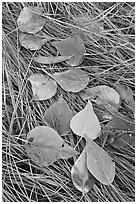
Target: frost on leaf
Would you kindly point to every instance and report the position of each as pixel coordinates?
(72, 46)
(85, 123)
(99, 163)
(73, 80)
(30, 20)
(44, 146)
(58, 116)
(81, 177)
(32, 42)
(43, 86)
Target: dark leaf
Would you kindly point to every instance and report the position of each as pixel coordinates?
(58, 116)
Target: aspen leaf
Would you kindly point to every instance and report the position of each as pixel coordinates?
(121, 123)
(102, 95)
(85, 123)
(44, 146)
(73, 80)
(30, 41)
(126, 94)
(72, 46)
(99, 163)
(93, 28)
(81, 177)
(30, 20)
(43, 86)
(125, 140)
(51, 60)
(58, 116)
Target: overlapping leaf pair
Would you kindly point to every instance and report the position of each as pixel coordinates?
(94, 163)
(30, 22)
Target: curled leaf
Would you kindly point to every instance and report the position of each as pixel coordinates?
(72, 46)
(85, 123)
(58, 116)
(30, 20)
(73, 80)
(30, 41)
(102, 96)
(51, 60)
(81, 177)
(44, 146)
(43, 86)
(99, 163)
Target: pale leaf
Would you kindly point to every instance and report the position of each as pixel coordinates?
(72, 46)
(30, 41)
(85, 123)
(51, 60)
(81, 177)
(44, 146)
(58, 116)
(73, 80)
(99, 163)
(30, 20)
(43, 86)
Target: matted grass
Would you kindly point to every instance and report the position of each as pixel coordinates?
(109, 59)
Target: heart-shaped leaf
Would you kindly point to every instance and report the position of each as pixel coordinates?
(126, 94)
(44, 146)
(72, 46)
(73, 80)
(81, 177)
(43, 86)
(51, 60)
(102, 96)
(30, 20)
(58, 116)
(85, 123)
(30, 41)
(99, 163)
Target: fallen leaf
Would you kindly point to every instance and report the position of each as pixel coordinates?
(121, 123)
(126, 94)
(43, 86)
(58, 116)
(85, 123)
(30, 19)
(44, 146)
(30, 41)
(123, 140)
(99, 163)
(102, 95)
(72, 46)
(81, 177)
(73, 80)
(91, 26)
(51, 60)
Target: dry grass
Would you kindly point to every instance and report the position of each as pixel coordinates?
(109, 59)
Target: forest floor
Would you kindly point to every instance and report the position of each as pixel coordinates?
(109, 59)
